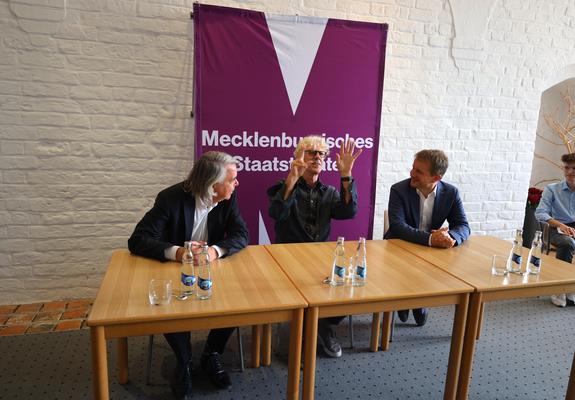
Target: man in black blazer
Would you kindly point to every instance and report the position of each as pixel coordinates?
(419, 206)
(201, 209)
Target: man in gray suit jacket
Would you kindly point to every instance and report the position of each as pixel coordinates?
(419, 206)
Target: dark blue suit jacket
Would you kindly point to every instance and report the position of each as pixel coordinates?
(171, 220)
(403, 211)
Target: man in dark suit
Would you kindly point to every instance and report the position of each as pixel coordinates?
(419, 206)
(201, 209)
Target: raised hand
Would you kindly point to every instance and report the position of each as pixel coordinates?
(346, 157)
(298, 166)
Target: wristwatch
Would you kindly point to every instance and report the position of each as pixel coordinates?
(346, 178)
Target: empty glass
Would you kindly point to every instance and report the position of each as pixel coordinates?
(499, 265)
(160, 292)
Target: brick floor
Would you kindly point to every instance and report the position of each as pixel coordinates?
(55, 316)
(13, 330)
(20, 319)
(27, 308)
(38, 328)
(7, 309)
(83, 304)
(69, 325)
(47, 317)
(74, 314)
(54, 306)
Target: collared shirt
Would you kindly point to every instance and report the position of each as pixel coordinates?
(557, 202)
(305, 216)
(426, 211)
(200, 229)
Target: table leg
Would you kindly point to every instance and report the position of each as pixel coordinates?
(570, 395)
(480, 325)
(386, 330)
(99, 362)
(469, 345)
(256, 344)
(294, 358)
(375, 322)
(123, 360)
(457, 338)
(267, 345)
(311, 317)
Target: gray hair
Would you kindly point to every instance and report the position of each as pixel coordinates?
(209, 169)
(311, 141)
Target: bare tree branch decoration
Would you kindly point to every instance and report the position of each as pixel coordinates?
(564, 129)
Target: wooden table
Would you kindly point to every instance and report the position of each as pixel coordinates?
(396, 280)
(471, 262)
(249, 289)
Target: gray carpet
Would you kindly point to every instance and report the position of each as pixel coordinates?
(525, 352)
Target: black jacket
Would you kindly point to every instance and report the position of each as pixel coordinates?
(171, 220)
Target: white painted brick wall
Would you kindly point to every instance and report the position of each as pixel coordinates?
(94, 119)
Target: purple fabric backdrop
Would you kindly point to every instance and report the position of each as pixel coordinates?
(242, 105)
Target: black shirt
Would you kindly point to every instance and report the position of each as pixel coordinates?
(306, 215)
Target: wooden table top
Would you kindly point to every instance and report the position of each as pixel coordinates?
(245, 282)
(471, 262)
(392, 273)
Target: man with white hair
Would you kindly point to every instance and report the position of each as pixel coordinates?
(201, 209)
(303, 207)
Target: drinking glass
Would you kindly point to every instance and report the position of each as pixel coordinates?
(160, 292)
(499, 265)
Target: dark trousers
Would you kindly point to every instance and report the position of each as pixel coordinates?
(565, 244)
(180, 343)
(333, 320)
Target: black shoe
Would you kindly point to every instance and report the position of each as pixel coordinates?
(327, 340)
(403, 314)
(212, 365)
(420, 315)
(182, 382)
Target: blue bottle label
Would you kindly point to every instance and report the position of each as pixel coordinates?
(360, 271)
(339, 271)
(188, 280)
(205, 284)
(535, 261)
(516, 258)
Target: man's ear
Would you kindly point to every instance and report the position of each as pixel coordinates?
(437, 178)
(211, 190)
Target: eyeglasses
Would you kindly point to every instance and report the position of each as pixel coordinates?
(313, 153)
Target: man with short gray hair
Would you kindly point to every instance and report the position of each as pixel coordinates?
(201, 209)
(419, 206)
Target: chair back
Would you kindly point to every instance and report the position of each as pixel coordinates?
(545, 236)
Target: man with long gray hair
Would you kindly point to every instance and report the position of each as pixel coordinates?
(201, 209)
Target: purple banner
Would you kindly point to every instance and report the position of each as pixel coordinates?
(263, 81)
